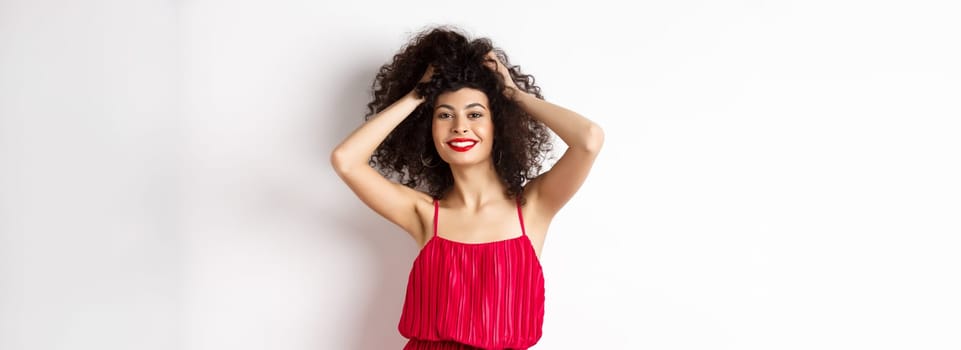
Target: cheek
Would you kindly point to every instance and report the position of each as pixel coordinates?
(487, 131)
(436, 131)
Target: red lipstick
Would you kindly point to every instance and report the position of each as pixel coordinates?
(461, 144)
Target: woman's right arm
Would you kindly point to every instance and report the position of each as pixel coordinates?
(393, 201)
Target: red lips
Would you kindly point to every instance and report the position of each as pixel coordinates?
(461, 144)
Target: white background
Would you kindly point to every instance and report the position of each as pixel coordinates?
(776, 174)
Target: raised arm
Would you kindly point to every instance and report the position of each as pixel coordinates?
(350, 160)
(584, 138)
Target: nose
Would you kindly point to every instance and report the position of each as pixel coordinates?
(459, 127)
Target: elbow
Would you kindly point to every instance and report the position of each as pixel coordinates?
(347, 159)
(340, 161)
(594, 138)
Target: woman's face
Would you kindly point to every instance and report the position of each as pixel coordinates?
(462, 127)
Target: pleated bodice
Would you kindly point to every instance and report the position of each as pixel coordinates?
(474, 295)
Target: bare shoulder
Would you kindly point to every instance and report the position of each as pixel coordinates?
(537, 219)
(424, 209)
(534, 204)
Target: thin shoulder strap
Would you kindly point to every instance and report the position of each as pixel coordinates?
(520, 216)
(435, 218)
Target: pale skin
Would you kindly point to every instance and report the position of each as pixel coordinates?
(476, 209)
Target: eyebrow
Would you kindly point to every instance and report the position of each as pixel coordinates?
(475, 104)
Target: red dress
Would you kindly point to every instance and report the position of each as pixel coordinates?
(474, 295)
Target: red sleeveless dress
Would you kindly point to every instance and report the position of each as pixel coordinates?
(474, 295)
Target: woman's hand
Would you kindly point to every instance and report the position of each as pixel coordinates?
(492, 62)
(428, 73)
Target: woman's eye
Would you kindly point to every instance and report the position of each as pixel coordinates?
(443, 116)
(475, 115)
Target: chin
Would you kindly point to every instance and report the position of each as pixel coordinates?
(459, 160)
(470, 158)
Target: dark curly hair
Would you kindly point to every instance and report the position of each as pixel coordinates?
(408, 154)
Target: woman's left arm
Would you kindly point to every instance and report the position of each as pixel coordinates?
(584, 138)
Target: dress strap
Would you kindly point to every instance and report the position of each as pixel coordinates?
(435, 218)
(520, 216)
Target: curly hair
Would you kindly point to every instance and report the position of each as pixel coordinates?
(408, 154)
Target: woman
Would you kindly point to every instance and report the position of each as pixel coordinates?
(463, 134)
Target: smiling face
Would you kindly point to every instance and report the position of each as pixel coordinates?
(462, 127)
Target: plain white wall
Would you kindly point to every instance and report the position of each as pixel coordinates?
(90, 248)
(776, 175)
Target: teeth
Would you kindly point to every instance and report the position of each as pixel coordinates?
(462, 143)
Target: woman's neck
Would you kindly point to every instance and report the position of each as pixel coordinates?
(475, 185)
